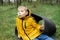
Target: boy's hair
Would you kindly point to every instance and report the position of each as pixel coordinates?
(25, 8)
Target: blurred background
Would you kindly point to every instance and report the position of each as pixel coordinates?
(8, 13)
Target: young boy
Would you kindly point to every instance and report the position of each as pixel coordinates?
(28, 28)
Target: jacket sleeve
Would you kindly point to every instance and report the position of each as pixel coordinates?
(17, 24)
(35, 24)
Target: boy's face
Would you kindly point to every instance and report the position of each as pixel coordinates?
(22, 12)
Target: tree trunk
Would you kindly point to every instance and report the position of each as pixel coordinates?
(17, 3)
(20, 2)
(29, 1)
(1, 1)
(9, 2)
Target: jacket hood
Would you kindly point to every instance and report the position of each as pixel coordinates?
(29, 12)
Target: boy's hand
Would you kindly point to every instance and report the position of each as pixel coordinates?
(19, 38)
(42, 27)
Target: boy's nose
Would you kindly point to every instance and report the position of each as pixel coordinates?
(19, 13)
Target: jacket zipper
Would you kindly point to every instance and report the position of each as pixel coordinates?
(24, 29)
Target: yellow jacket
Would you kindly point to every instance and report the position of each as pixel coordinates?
(28, 29)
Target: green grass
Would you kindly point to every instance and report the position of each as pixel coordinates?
(9, 13)
(7, 23)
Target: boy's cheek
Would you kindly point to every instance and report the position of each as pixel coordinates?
(21, 16)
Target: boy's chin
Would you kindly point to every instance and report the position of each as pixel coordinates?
(20, 17)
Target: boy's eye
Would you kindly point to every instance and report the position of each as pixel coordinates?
(22, 11)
